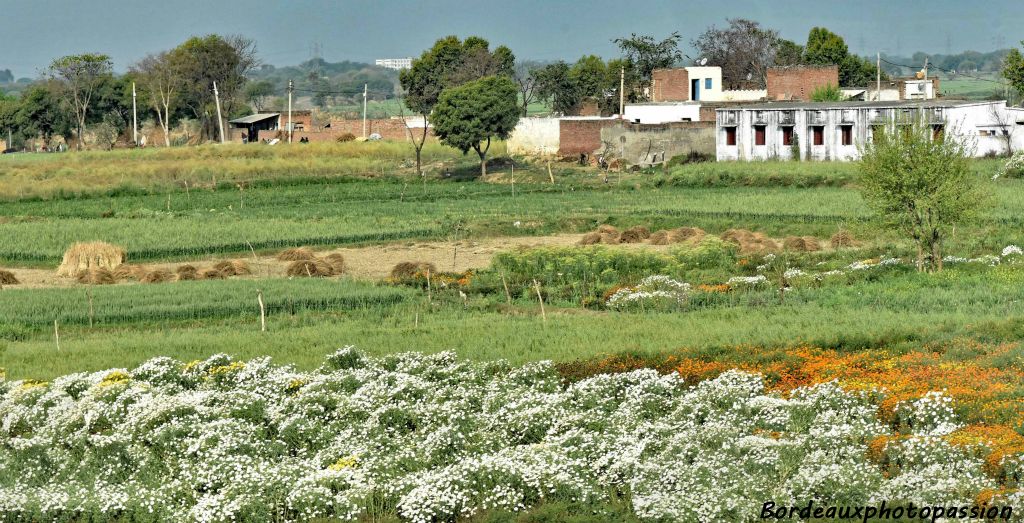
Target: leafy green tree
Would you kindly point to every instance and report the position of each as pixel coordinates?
(921, 186)
(590, 76)
(469, 116)
(78, 77)
(257, 94)
(644, 54)
(201, 61)
(449, 63)
(827, 48)
(38, 113)
(554, 84)
(788, 52)
(1013, 69)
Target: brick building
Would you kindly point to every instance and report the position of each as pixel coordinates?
(798, 82)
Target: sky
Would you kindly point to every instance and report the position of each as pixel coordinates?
(32, 33)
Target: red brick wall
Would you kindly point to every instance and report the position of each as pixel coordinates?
(589, 107)
(797, 82)
(670, 85)
(581, 136)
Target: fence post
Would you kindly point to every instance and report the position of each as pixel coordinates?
(543, 315)
(56, 334)
(263, 311)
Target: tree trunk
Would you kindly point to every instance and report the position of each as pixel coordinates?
(920, 257)
(419, 162)
(936, 247)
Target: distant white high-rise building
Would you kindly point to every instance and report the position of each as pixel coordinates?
(394, 63)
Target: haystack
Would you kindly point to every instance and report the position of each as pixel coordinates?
(97, 276)
(607, 229)
(186, 273)
(157, 276)
(82, 257)
(683, 234)
(406, 270)
(750, 242)
(659, 238)
(310, 268)
(233, 268)
(634, 234)
(296, 254)
(337, 263)
(7, 278)
(590, 238)
(609, 234)
(842, 239)
(211, 274)
(129, 272)
(801, 243)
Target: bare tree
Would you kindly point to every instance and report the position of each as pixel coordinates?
(160, 81)
(416, 144)
(1005, 125)
(527, 82)
(744, 50)
(78, 77)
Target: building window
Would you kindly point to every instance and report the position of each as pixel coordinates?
(707, 83)
(847, 134)
(938, 131)
(818, 133)
(730, 136)
(787, 136)
(759, 135)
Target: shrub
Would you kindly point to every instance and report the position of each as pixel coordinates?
(345, 137)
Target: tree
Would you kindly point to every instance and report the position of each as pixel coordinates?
(469, 116)
(555, 85)
(645, 54)
(526, 79)
(258, 93)
(78, 76)
(449, 63)
(160, 84)
(1013, 69)
(788, 52)
(827, 48)
(744, 50)
(590, 76)
(38, 113)
(6, 76)
(921, 186)
(201, 61)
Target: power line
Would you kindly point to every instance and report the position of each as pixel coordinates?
(947, 71)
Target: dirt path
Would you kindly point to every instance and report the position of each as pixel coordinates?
(371, 262)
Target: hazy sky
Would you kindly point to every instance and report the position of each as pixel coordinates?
(33, 32)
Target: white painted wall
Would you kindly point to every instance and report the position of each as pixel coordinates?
(534, 137)
(654, 113)
(743, 95)
(702, 73)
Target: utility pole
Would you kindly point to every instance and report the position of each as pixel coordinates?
(220, 119)
(878, 78)
(291, 87)
(365, 86)
(622, 92)
(135, 118)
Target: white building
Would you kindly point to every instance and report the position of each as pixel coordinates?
(837, 130)
(394, 63)
(662, 112)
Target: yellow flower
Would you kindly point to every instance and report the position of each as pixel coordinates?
(32, 384)
(345, 463)
(116, 377)
(225, 369)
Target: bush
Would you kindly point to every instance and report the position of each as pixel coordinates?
(345, 137)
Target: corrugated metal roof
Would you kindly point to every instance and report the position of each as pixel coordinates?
(854, 105)
(253, 118)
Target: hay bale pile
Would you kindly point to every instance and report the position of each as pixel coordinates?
(296, 254)
(842, 239)
(186, 273)
(750, 242)
(211, 274)
(157, 276)
(801, 243)
(84, 257)
(409, 270)
(316, 268)
(337, 263)
(591, 238)
(682, 234)
(129, 272)
(233, 268)
(7, 278)
(634, 234)
(606, 234)
(96, 276)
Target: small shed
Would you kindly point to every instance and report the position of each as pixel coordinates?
(254, 123)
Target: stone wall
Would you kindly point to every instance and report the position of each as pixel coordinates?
(534, 137)
(641, 144)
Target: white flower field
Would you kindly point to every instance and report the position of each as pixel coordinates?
(431, 437)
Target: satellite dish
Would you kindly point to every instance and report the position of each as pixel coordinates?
(749, 76)
(703, 61)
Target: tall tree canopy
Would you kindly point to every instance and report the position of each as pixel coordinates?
(201, 61)
(77, 78)
(827, 48)
(644, 54)
(1013, 69)
(469, 116)
(744, 50)
(450, 63)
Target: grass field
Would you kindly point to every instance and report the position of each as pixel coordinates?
(692, 310)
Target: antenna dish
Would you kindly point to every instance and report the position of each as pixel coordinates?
(703, 61)
(749, 76)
